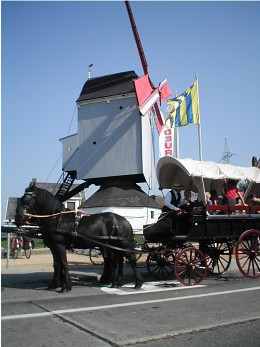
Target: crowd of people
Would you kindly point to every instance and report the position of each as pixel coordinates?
(179, 200)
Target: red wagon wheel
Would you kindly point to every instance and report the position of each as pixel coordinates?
(190, 266)
(248, 253)
(160, 264)
(219, 255)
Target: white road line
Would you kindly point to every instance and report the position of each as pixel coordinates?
(126, 304)
(149, 287)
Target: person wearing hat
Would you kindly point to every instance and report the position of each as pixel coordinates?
(172, 207)
(172, 199)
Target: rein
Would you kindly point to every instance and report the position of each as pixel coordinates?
(54, 215)
(92, 239)
(106, 245)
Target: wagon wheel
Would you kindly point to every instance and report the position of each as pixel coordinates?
(219, 255)
(248, 253)
(28, 253)
(160, 264)
(190, 266)
(15, 253)
(96, 256)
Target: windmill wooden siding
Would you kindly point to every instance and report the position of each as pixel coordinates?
(113, 138)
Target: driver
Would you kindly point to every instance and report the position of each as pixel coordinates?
(171, 206)
(173, 198)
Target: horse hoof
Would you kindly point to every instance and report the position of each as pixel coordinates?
(52, 287)
(139, 285)
(64, 290)
(103, 282)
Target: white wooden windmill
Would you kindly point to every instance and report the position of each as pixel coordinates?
(114, 142)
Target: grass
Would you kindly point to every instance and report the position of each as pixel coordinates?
(139, 238)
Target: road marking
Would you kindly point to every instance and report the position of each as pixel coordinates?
(126, 304)
(149, 287)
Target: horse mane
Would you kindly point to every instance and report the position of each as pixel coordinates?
(47, 202)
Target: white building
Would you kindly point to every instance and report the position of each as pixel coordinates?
(127, 200)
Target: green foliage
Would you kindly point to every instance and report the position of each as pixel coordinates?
(139, 238)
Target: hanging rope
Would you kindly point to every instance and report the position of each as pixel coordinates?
(73, 115)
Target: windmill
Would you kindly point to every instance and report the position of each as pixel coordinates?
(114, 142)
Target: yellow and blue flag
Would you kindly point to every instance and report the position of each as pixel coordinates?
(184, 109)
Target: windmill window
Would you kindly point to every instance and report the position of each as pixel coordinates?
(152, 214)
(94, 143)
(121, 107)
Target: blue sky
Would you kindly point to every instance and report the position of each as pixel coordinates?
(47, 47)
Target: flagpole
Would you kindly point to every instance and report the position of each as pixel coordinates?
(177, 143)
(199, 126)
(176, 137)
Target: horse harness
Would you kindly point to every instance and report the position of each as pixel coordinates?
(102, 241)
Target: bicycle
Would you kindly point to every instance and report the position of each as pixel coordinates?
(95, 256)
(21, 243)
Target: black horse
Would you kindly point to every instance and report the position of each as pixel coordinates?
(111, 232)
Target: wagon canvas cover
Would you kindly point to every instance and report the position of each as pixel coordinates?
(201, 176)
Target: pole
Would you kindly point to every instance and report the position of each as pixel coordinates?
(199, 125)
(8, 249)
(176, 137)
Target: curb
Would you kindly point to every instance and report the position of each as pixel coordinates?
(89, 273)
(16, 280)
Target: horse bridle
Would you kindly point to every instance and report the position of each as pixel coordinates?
(26, 204)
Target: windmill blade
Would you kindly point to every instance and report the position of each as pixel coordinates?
(158, 119)
(137, 38)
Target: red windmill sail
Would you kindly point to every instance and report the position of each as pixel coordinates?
(147, 94)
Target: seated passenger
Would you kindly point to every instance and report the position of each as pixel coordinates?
(209, 203)
(172, 199)
(230, 192)
(186, 203)
(240, 203)
(171, 206)
(214, 197)
(253, 201)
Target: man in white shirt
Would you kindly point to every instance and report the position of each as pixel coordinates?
(172, 199)
(172, 206)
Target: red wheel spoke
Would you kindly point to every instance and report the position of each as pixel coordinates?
(247, 254)
(187, 266)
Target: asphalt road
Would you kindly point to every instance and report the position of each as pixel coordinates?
(222, 311)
